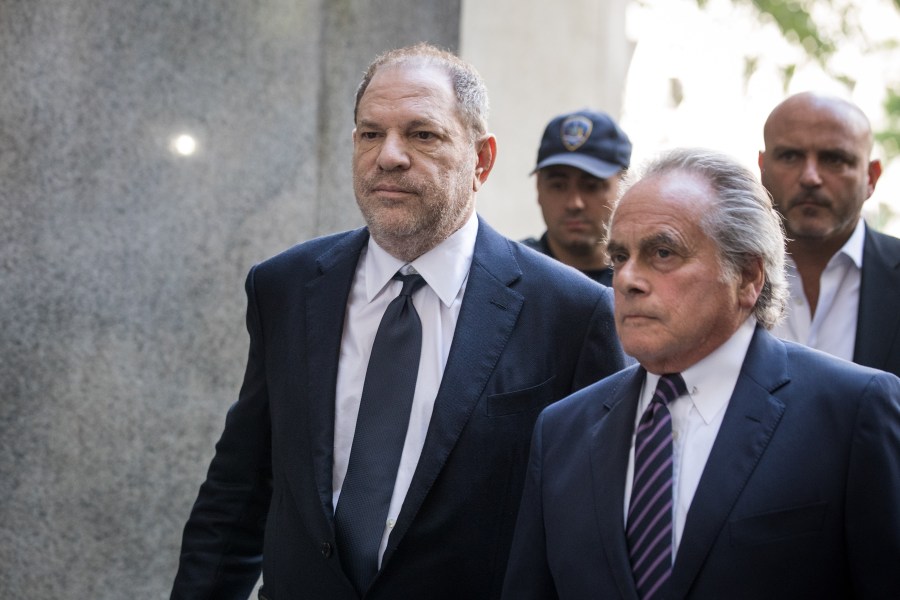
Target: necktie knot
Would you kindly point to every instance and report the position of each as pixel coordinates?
(670, 387)
(411, 283)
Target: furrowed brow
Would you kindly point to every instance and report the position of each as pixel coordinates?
(367, 124)
(661, 238)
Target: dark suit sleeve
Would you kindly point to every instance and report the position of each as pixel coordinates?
(873, 492)
(602, 354)
(221, 552)
(528, 575)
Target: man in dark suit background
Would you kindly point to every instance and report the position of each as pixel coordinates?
(844, 276)
(728, 463)
(503, 330)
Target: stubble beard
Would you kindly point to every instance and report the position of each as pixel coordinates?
(409, 228)
(584, 246)
(800, 227)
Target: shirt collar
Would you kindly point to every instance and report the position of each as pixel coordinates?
(444, 268)
(852, 250)
(710, 382)
(853, 247)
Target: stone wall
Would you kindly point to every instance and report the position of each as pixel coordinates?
(122, 339)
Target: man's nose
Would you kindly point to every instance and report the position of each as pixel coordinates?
(809, 176)
(628, 278)
(575, 201)
(393, 153)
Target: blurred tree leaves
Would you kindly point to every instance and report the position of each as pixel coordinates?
(889, 138)
(798, 24)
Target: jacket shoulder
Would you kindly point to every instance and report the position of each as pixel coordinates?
(542, 266)
(883, 245)
(307, 257)
(830, 374)
(883, 237)
(597, 397)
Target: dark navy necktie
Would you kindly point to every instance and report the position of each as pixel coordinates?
(649, 523)
(378, 439)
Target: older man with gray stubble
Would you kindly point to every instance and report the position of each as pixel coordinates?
(728, 463)
(377, 449)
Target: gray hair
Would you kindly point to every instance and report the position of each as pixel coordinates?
(742, 222)
(468, 86)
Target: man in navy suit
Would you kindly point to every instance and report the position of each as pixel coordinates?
(844, 276)
(775, 468)
(505, 331)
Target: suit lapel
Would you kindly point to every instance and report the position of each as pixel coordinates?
(609, 449)
(878, 321)
(325, 308)
(750, 420)
(487, 316)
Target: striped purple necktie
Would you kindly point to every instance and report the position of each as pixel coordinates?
(649, 528)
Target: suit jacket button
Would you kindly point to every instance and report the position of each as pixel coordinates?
(326, 549)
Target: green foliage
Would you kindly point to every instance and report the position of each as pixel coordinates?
(892, 104)
(889, 138)
(795, 20)
(797, 25)
(787, 73)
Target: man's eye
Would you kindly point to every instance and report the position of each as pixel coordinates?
(594, 187)
(423, 135)
(789, 155)
(835, 159)
(663, 252)
(368, 135)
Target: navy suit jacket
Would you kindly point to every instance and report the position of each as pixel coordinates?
(530, 331)
(878, 323)
(800, 497)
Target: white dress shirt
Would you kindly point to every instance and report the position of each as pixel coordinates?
(833, 328)
(696, 419)
(445, 269)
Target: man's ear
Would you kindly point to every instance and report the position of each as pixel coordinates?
(874, 174)
(487, 154)
(753, 277)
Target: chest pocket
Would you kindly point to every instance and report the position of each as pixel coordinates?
(520, 401)
(778, 525)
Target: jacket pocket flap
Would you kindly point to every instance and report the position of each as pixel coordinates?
(775, 525)
(519, 401)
